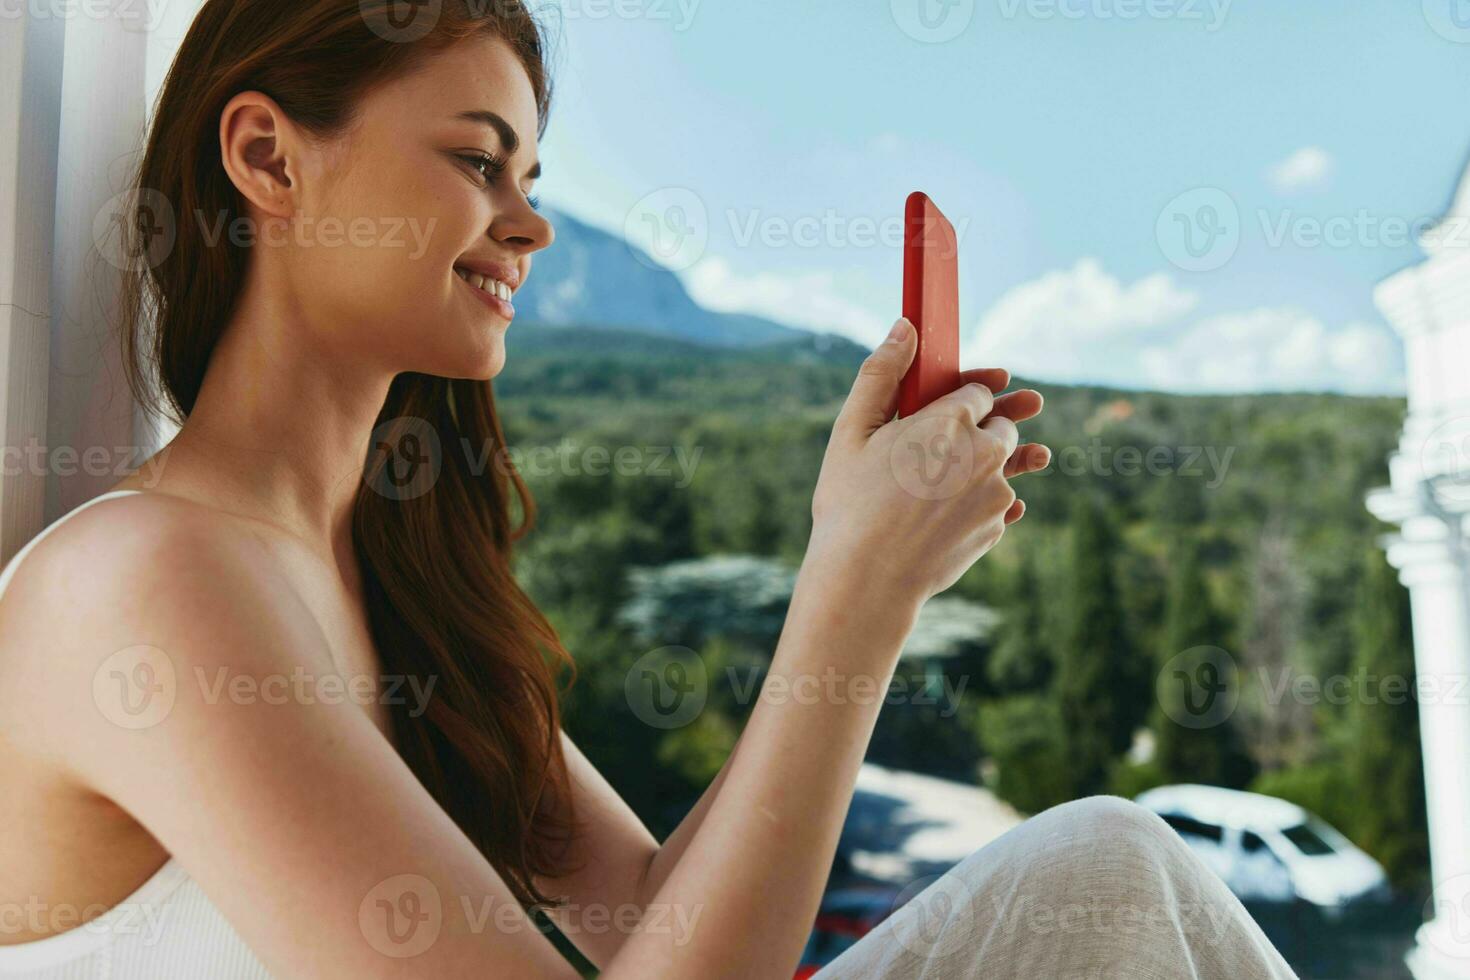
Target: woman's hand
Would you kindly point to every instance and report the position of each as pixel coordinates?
(904, 507)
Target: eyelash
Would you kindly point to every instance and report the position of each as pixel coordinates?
(496, 167)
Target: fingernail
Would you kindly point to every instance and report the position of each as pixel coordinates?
(899, 330)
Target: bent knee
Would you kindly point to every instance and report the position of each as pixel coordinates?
(1106, 816)
(1109, 829)
(1079, 839)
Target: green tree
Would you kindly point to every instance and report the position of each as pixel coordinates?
(1101, 692)
(1181, 500)
(1022, 737)
(1386, 762)
(1022, 660)
(1193, 628)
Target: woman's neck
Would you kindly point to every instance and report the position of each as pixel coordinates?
(280, 428)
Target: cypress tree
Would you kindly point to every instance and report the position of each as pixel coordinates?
(1022, 660)
(1101, 693)
(1211, 753)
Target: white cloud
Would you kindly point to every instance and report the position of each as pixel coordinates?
(1082, 325)
(1274, 349)
(811, 300)
(1306, 169)
(1366, 351)
(1070, 322)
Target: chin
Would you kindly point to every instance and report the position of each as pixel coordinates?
(484, 365)
(469, 349)
(492, 370)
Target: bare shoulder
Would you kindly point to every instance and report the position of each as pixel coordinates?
(148, 660)
(106, 561)
(100, 543)
(124, 589)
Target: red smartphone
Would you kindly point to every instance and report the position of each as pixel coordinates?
(931, 302)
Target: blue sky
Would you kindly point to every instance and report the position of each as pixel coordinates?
(1072, 142)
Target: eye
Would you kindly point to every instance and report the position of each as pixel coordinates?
(489, 167)
(486, 165)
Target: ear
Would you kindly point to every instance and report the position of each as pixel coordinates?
(260, 150)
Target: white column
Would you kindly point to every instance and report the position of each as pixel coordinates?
(1439, 593)
(1429, 500)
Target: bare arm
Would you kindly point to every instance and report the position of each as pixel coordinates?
(1017, 406)
(771, 828)
(128, 658)
(680, 923)
(677, 842)
(610, 861)
(618, 863)
(305, 827)
(319, 845)
(886, 536)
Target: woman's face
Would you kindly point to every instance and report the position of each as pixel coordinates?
(436, 177)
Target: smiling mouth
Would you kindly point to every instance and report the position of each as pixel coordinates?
(492, 292)
(485, 284)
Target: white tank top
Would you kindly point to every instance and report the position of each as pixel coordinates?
(166, 928)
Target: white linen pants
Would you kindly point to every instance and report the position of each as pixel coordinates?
(1095, 889)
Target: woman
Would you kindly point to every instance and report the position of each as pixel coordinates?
(276, 703)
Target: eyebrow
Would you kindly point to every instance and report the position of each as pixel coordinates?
(504, 130)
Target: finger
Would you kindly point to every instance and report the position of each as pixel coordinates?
(1028, 458)
(1016, 511)
(1002, 428)
(874, 395)
(995, 379)
(1018, 406)
(971, 402)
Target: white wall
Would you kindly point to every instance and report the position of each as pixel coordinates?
(76, 84)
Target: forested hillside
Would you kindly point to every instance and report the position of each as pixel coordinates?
(1167, 527)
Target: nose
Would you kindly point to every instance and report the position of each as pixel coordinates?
(522, 228)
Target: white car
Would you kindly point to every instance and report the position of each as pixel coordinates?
(1267, 849)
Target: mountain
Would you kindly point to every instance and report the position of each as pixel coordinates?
(590, 278)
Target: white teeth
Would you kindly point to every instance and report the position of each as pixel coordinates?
(492, 286)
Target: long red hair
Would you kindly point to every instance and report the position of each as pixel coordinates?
(436, 566)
